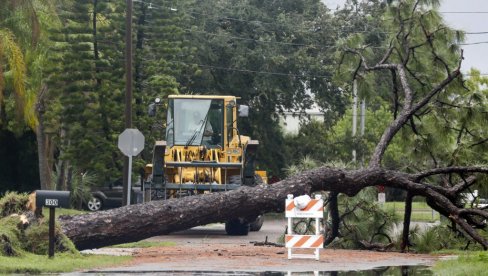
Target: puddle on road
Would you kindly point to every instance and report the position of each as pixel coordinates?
(394, 270)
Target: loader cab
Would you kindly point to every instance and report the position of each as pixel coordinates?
(195, 122)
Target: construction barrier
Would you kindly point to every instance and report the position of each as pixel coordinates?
(304, 241)
(314, 209)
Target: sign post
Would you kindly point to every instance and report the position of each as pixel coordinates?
(131, 143)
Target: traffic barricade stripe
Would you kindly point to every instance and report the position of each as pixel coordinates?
(304, 241)
(313, 205)
(290, 205)
(319, 243)
(301, 241)
(314, 209)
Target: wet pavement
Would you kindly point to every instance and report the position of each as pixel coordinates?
(207, 250)
(407, 270)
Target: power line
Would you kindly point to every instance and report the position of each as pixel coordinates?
(341, 31)
(465, 12)
(154, 6)
(283, 43)
(245, 70)
(475, 33)
(480, 74)
(472, 43)
(259, 72)
(269, 41)
(260, 41)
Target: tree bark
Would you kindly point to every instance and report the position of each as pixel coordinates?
(137, 222)
(335, 218)
(406, 222)
(44, 172)
(42, 143)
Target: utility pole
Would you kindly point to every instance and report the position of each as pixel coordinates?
(363, 116)
(128, 91)
(354, 116)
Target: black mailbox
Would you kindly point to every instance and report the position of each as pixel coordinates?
(52, 199)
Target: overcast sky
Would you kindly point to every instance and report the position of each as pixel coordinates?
(464, 15)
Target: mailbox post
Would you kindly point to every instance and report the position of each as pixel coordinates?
(52, 200)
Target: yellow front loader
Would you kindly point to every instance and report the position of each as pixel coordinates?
(204, 152)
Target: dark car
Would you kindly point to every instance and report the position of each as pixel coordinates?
(110, 196)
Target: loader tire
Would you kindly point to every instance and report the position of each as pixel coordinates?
(258, 180)
(257, 224)
(237, 227)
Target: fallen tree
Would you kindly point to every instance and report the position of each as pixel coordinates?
(413, 46)
(136, 222)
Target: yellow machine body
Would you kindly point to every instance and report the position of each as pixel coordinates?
(203, 150)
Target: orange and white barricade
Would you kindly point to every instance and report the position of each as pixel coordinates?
(314, 209)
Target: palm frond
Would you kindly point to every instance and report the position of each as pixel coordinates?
(15, 59)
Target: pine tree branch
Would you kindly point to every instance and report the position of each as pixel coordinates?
(474, 211)
(395, 94)
(478, 143)
(463, 185)
(449, 170)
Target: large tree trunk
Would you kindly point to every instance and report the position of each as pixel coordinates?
(136, 222)
(45, 169)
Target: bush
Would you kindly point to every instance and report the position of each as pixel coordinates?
(441, 237)
(10, 236)
(17, 237)
(37, 239)
(363, 220)
(13, 203)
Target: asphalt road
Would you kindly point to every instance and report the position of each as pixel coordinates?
(272, 229)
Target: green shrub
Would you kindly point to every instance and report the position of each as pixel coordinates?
(363, 219)
(441, 237)
(10, 236)
(37, 239)
(17, 238)
(13, 203)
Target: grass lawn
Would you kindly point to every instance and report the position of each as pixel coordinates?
(67, 262)
(63, 211)
(35, 264)
(468, 263)
(144, 244)
(420, 211)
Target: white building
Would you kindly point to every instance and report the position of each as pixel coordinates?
(292, 120)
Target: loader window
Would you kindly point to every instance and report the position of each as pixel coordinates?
(170, 127)
(230, 122)
(215, 120)
(194, 122)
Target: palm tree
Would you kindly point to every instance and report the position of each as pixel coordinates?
(20, 36)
